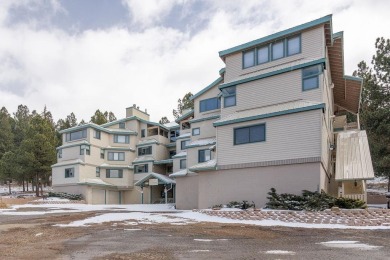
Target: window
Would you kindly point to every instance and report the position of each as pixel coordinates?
(310, 77)
(204, 155)
(85, 149)
(69, 173)
(143, 133)
(277, 50)
(116, 156)
(60, 153)
(101, 153)
(248, 59)
(293, 45)
(122, 125)
(185, 125)
(97, 172)
(76, 135)
(250, 134)
(229, 96)
(183, 164)
(262, 55)
(196, 131)
(209, 104)
(184, 144)
(141, 168)
(97, 134)
(145, 150)
(171, 154)
(110, 173)
(123, 139)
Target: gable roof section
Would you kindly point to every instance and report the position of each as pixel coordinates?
(213, 84)
(269, 111)
(322, 20)
(162, 178)
(133, 118)
(186, 115)
(98, 127)
(347, 89)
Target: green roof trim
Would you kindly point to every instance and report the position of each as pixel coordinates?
(148, 143)
(338, 35)
(222, 71)
(73, 145)
(171, 145)
(112, 166)
(133, 118)
(272, 73)
(144, 161)
(118, 149)
(277, 35)
(98, 127)
(353, 78)
(213, 84)
(268, 115)
(179, 156)
(167, 161)
(200, 145)
(204, 119)
(96, 184)
(213, 168)
(191, 112)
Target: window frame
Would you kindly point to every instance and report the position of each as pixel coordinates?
(127, 139)
(249, 126)
(193, 131)
(181, 144)
(97, 134)
(97, 171)
(85, 149)
(143, 133)
(254, 58)
(145, 148)
(283, 49)
(111, 156)
(69, 172)
(59, 153)
(226, 94)
(316, 75)
(122, 125)
(300, 45)
(108, 173)
(137, 166)
(199, 155)
(268, 53)
(68, 136)
(102, 152)
(208, 99)
(181, 164)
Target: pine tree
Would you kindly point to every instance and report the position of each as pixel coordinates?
(6, 135)
(164, 120)
(183, 104)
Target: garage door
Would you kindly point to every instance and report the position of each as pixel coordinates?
(113, 197)
(98, 196)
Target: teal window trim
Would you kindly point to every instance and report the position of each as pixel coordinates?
(183, 144)
(193, 131)
(206, 102)
(97, 134)
(76, 135)
(97, 171)
(85, 149)
(202, 158)
(183, 164)
(243, 58)
(127, 139)
(268, 54)
(283, 48)
(69, 172)
(227, 93)
(249, 126)
(300, 45)
(116, 156)
(145, 150)
(122, 125)
(312, 76)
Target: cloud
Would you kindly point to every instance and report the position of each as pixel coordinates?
(113, 68)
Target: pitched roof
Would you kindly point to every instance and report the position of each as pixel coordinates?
(284, 33)
(180, 173)
(115, 166)
(269, 111)
(164, 179)
(69, 162)
(183, 136)
(144, 158)
(98, 127)
(213, 84)
(180, 155)
(98, 182)
(204, 166)
(202, 142)
(185, 115)
(147, 141)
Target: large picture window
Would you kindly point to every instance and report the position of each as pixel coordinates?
(69, 172)
(76, 135)
(111, 173)
(250, 134)
(204, 155)
(209, 104)
(145, 150)
(116, 156)
(122, 139)
(310, 77)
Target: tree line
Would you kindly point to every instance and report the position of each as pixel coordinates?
(28, 142)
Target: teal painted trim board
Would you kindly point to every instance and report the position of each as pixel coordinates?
(213, 84)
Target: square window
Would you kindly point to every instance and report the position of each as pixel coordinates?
(277, 50)
(122, 125)
(204, 155)
(293, 45)
(310, 77)
(229, 101)
(97, 172)
(196, 131)
(262, 55)
(69, 173)
(249, 59)
(241, 135)
(141, 168)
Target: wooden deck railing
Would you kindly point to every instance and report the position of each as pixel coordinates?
(362, 197)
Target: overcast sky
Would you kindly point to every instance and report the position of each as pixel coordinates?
(81, 55)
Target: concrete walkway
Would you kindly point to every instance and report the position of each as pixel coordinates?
(349, 217)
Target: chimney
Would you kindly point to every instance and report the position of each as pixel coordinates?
(135, 111)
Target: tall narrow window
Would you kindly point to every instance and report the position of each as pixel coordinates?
(277, 50)
(248, 59)
(143, 133)
(101, 153)
(183, 164)
(184, 144)
(97, 172)
(85, 149)
(262, 55)
(204, 155)
(310, 77)
(60, 153)
(97, 134)
(293, 45)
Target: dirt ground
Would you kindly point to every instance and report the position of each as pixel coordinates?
(36, 237)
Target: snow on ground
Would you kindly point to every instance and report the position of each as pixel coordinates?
(280, 252)
(349, 244)
(154, 214)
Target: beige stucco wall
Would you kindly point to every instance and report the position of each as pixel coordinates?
(290, 136)
(253, 184)
(313, 47)
(72, 189)
(187, 192)
(193, 155)
(126, 181)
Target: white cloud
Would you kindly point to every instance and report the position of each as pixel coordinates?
(114, 68)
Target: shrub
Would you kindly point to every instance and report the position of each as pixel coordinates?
(65, 195)
(311, 201)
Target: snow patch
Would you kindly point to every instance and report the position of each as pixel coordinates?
(39, 234)
(349, 244)
(199, 250)
(203, 240)
(280, 252)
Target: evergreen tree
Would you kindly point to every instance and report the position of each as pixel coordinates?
(21, 121)
(6, 135)
(164, 120)
(8, 168)
(183, 104)
(100, 118)
(375, 106)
